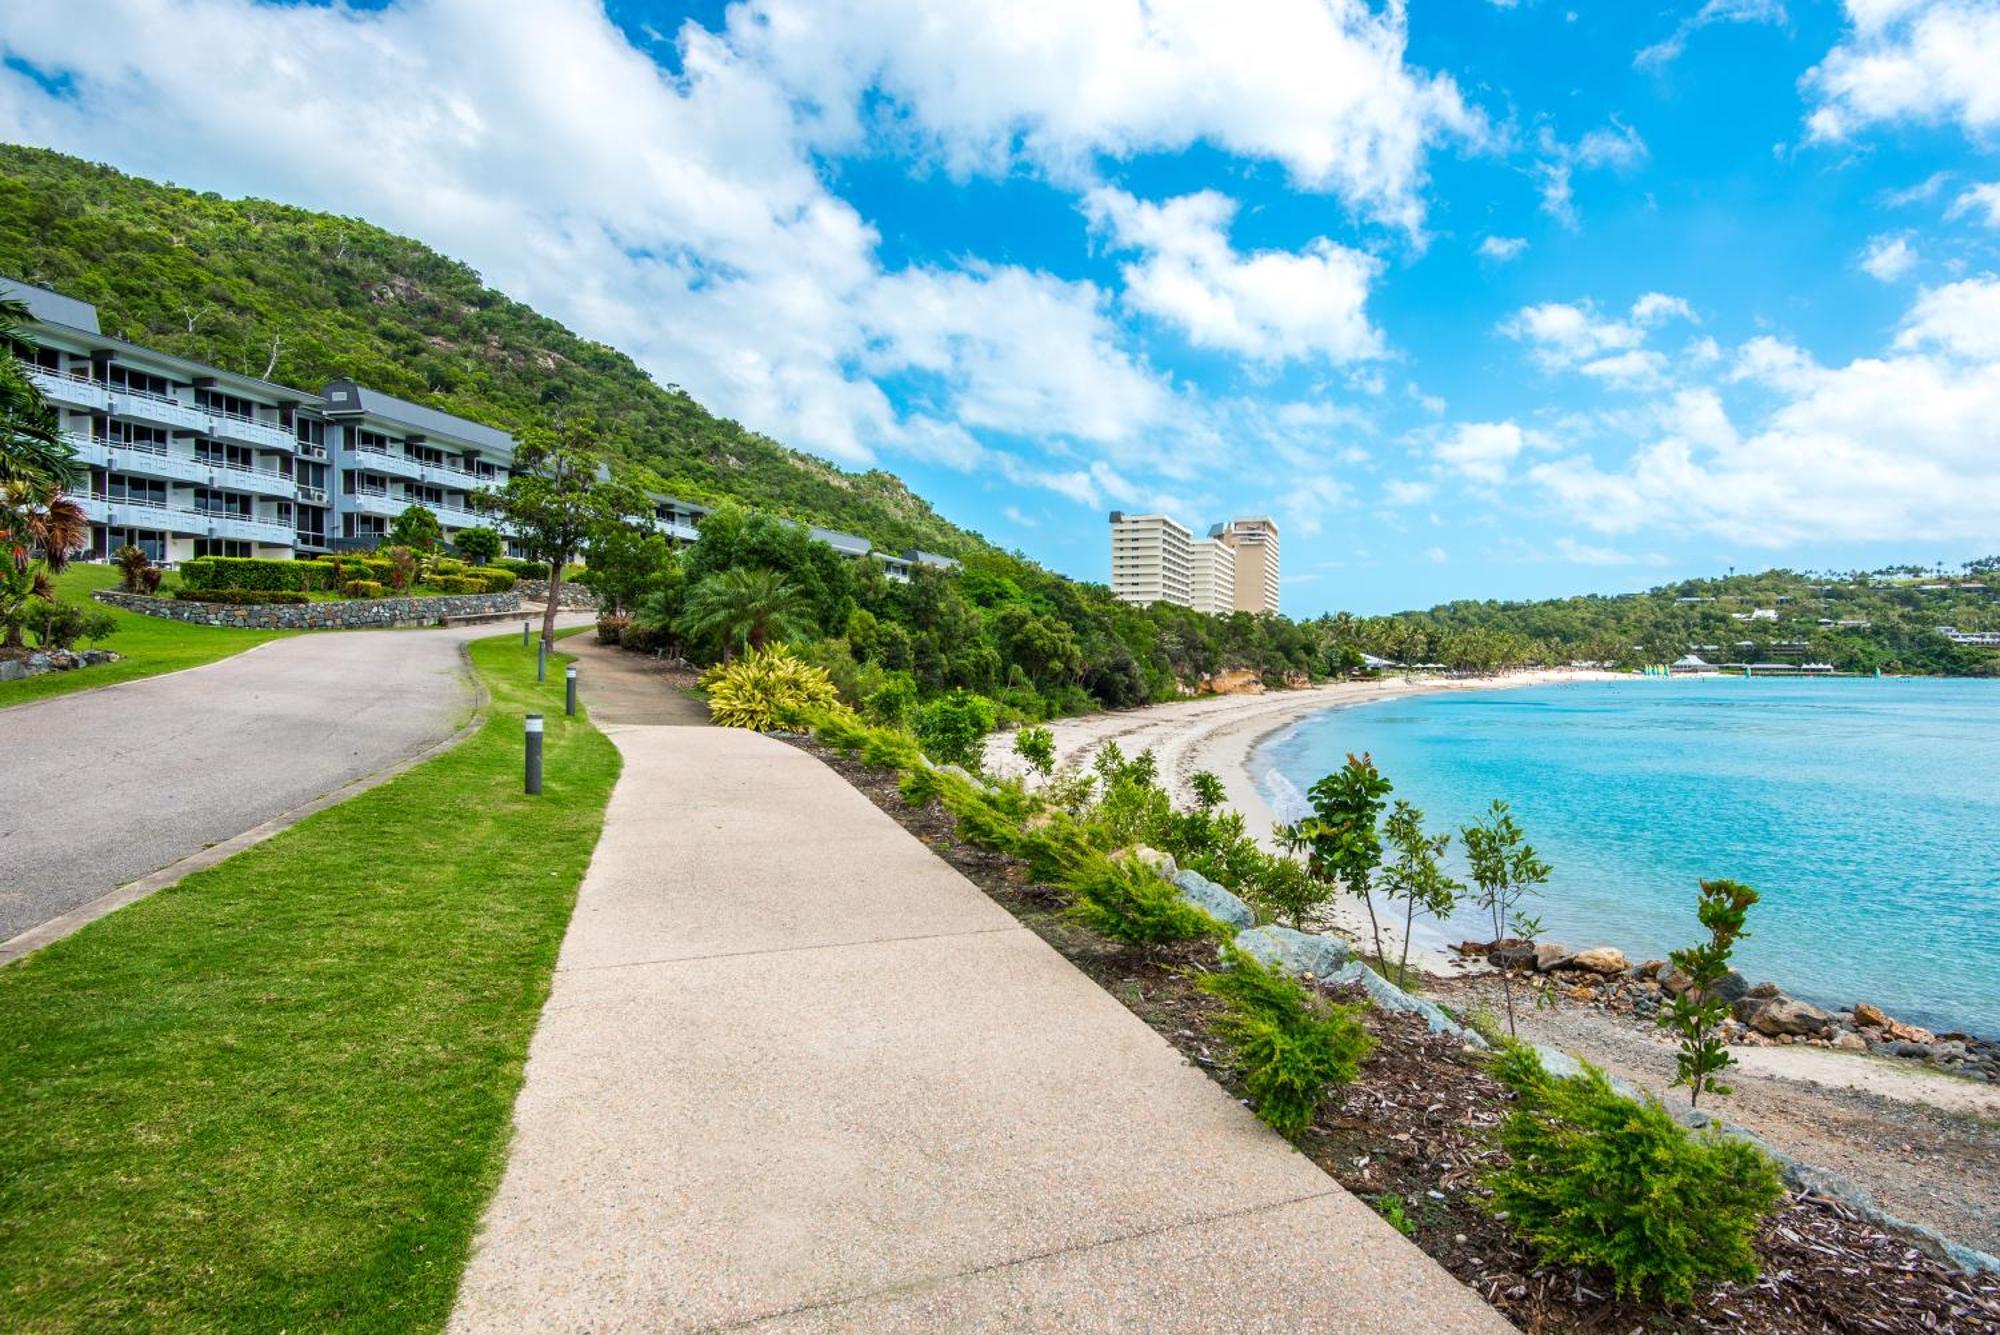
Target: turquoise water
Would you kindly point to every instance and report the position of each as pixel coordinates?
(1866, 813)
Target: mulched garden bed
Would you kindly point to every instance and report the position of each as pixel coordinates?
(1415, 1132)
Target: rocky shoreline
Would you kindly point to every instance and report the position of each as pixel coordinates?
(1761, 1014)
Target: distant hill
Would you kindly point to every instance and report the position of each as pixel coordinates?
(220, 279)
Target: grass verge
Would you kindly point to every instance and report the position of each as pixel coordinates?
(151, 645)
(277, 1095)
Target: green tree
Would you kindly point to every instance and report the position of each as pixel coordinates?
(554, 500)
(1344, 841)
(1697, 1012)
(752, 607)
(1415, 876)
(33, 452)
(624, 564)
(479, 544)
(416, 528)
(1505, 870)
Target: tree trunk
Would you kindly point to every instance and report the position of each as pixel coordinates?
(549, 612)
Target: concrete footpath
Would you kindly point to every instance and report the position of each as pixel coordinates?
(797, 1073)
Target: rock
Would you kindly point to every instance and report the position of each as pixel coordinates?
(1548, 954)
(1387, 996)
(1216, 901)
(1652, 968)
(1512, 955)
(1598, 959)
(1733, 987)
(1764, 991)
(1869, 1017)
(1908, 1033)
(1297, 952)
(1851, 1043)
(1904, 1048)
(1786, 1017)
(1162, 863)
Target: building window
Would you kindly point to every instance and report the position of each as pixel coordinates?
(223, 547)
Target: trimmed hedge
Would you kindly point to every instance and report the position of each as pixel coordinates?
(258, 573)
(242, 597)
(456, 584)
(362, 588)
(495, 580)
(525, 569)
(361, 567)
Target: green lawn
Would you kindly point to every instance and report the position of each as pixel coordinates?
(278, 1095)
(151, 645)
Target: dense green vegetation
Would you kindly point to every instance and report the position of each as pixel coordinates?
(301, 297)
(151, 645)
(277, 1095)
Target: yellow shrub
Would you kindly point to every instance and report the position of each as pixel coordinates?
(766, 690)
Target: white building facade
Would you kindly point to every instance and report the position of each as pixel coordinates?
(1151, 560)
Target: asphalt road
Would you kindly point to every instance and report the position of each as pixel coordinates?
(103, 786)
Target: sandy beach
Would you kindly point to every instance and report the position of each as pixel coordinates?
(1220, 733)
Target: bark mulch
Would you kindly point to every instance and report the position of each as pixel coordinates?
(1416, 1132)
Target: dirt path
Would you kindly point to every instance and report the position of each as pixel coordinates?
(1932, 1165)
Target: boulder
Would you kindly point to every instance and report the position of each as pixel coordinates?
(1787, 1016)
(1548, 954)
(1908, 1033)
(1652, 968)
(1733, 987)
(1598, 959)
(1387, 996)
(1296, 952)
(1162, 863)
(1869, 1017)
(1213, 899)
(1512, 955)
(1764, 991)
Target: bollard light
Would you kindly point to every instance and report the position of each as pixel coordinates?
(533, 758)
(541, 660)
(569, 690)
(524, 634)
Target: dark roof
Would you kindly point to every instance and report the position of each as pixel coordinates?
(848, 544)
(52, 307)
(345, 398)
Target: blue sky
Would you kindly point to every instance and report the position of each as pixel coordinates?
(1478, 299)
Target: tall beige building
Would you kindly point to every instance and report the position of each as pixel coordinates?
(1255, 544)
(1212, 587)
(1150, 559)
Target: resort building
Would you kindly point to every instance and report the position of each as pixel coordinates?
(183, 459)
(1255, 542)
(392, 454)
(1988, 639)
(1212, 584)
(1151, 560)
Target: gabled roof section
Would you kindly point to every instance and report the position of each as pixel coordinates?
(51, 307)
(847, 544)
(346, 399)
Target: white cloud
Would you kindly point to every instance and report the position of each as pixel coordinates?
(1015, 515)
(1888, 257)
(1617, 146)
(1400, 491)
(1501, 249)
(1271, 306)
(1979, 199)
(1886, 448)
(1563, 336)
(1590, 554)
(1921, 193)
(1436, 555)
(1669, 48)
(1924, 62)
(1482, 451)
(1318, 86)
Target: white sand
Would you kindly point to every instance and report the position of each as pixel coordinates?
(1218, 733)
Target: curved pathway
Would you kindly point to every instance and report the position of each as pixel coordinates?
(101, 787)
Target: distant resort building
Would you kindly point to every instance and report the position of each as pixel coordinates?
(185, 460)
(1157, 559)
(1689, 665)
(1985, 639)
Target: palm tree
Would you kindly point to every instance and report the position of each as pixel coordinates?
(749, 606)
(34, 517)
(32, 449)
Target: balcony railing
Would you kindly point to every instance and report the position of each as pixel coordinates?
(312, 496)
(199, 522)
(381, 461)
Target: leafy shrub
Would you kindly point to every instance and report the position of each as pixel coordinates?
(149, 579)
(457, 584)
(767, 689)
(892, 748)
(1599, 1179)
(1126, 900)
(1291, 1045)
(529, 570)
(1037, 746)
(243, 597)
(647, 638)
(445, 565)
(132, 565)
(59, 625)
(953, 728)
(402, 567)
(362, 588)
(248, 572)
(480, 544)
(495, 579)
(609, 628)
(894, 702)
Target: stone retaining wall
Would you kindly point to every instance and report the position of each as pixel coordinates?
(347, 614)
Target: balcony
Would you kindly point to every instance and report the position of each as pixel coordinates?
(381, 461)
(251, 527)
(676, 529)
(455, 518)
(310, 451)
(249, 431)
(311, 496)
(263, 481)
(365, 502)
(155, 408)
(140, 460)
(71, 390)
(448, 475)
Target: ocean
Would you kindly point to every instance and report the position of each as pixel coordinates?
(1865, 812)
